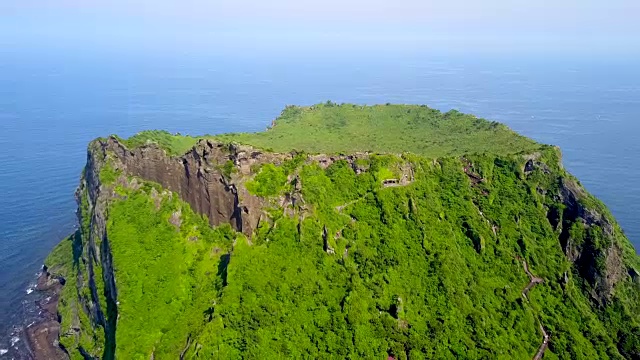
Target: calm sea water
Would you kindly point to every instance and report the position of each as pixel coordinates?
(52, 105)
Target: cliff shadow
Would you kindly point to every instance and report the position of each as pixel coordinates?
(222, 268)
(76, 246)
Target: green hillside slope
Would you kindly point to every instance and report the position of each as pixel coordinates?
(435, 236)
(330, 129)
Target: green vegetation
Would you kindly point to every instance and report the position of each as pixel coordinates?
(174, 144)
(64, 262)
(331, 128)
(108, 174)
(407, 277)
(432, 269)
(60, 261)
(268, 182)
(164, 294)
(228, 169)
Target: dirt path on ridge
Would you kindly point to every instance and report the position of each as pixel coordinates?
(532, 282)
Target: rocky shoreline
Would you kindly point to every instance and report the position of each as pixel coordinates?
(38, 340)
(42, 337)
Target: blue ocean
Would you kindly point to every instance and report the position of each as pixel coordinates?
(52, 104)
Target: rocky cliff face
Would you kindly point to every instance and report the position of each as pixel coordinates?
(587, 234)
(593, 249)
(209, 177)
(199, 178)
(92, 198)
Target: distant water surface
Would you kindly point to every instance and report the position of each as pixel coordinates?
(52, 105)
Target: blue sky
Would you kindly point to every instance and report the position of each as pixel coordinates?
(542, 26)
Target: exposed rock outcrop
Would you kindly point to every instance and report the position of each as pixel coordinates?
(326, 160)
(597, 256)
(42, 337)
(325, 241)
(587, 234)
(97, 251)
(198, 177)
(201, 176)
